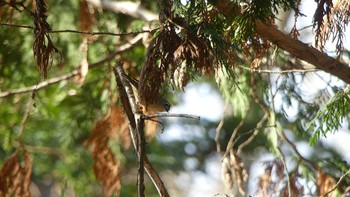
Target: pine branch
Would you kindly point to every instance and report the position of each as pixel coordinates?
(331, 115)
(295, 47)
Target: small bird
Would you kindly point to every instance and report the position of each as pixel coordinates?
(160, 105)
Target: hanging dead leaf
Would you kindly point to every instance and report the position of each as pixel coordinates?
(234, 174)
(112, 126)
(325, 183)
(15, 175)
(43, 47)
(86, 18)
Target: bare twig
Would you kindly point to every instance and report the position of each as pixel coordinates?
(55, 80)
(168, 115)
(255, 133)
(249, 132)
(103, 33)
(286, 171)
(39, 149)
(17, 26)
(278, 71)
(82, 32)
(293, 146)
(234, 133)
(137, 123)
(140, 122)
(262, 120)
(128, 104)
(40, 85)
(25, 117)
(218, 129)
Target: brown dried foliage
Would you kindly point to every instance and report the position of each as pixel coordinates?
(324, 183)
(171, 51)
(275, 181)
(294, 33)
(15, 175)
(86, 18)
(323, 9)
(166, 53)
(333, 26)
(234, 174)
(8, 11)
(107, 167)
(43, 47)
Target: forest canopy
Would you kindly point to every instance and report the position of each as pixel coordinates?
(69, 124)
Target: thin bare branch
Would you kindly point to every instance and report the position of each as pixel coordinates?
(262, 120)
(282, 157)
(252, 70)
(40, 149)
(40, 85)
(17, 26)
(293, 146)
(25, 117)
(103, 33)
(169, 115)
(67, 76)
(83, 32)
(128, 105)
(337, 184)
(295, 47)
(259, 125)
(218, 129)
(234, 133)
(141, 155)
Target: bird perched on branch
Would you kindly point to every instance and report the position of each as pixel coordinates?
(159, 105)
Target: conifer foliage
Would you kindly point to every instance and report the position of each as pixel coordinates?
(68, 120)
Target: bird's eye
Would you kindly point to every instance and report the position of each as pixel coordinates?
(167, 106)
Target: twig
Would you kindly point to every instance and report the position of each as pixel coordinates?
(40, 85)
(234, 133)
(255, 133)
(293, 146)
(18, 26)
(127, 107)
(218, 129)
(160, 115)
(136, 120)
(83, 32)
(262, 120)
(54, 80)
(249, 132)
(278, 72)
(25, 117)
(286, 170)
(141, 155)
(40, 149)
(103, 33)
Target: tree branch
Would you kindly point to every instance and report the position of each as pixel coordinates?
(82, 32)
(304, 52)
(136, 124)
(295, 47)
(54, 80)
